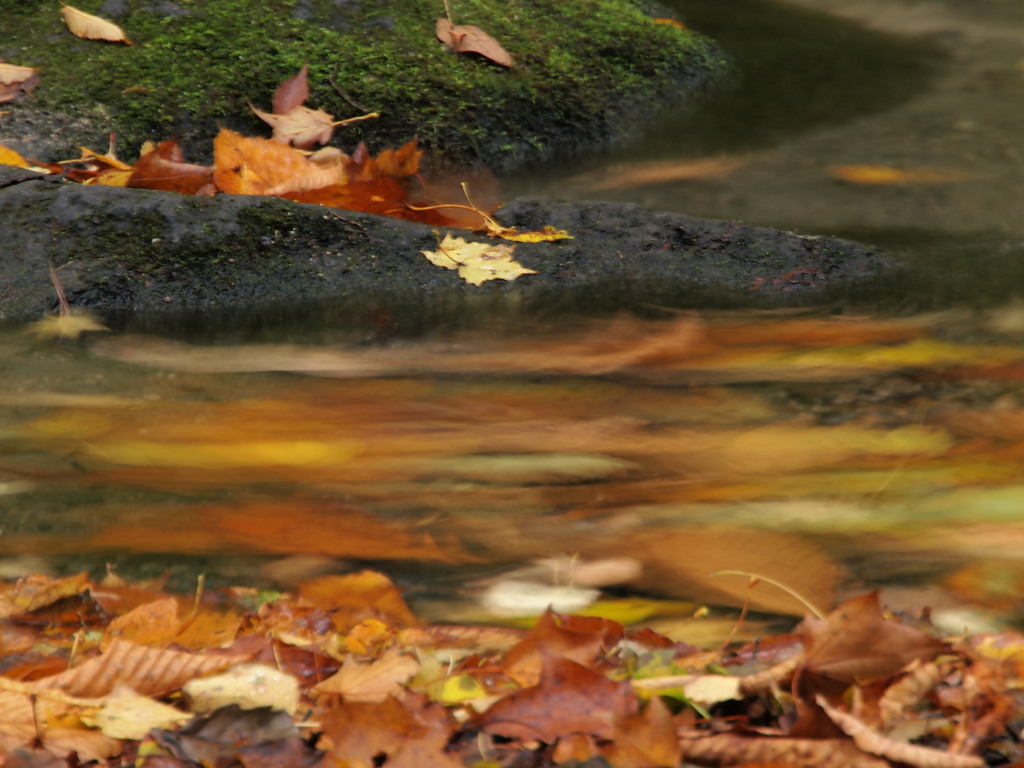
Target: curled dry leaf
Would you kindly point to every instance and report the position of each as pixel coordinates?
(465, 38)
(91, 27)
(887, 174)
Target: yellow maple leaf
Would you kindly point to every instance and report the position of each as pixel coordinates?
(65, 326)
(477, 262)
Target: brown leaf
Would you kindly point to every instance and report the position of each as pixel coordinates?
(737, 749)
(569, 698)
(148, 671)
(891, 749)
(465, 38)
(646, 739)
(165, 168)
(412, 733)
(857, 643)
(292, 92)
(91, 27)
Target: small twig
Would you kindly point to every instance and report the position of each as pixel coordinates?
(367, 116)
(342, 93)
(448, 11)
(65, 308)
(806, 603)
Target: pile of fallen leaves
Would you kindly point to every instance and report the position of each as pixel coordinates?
(341, 673)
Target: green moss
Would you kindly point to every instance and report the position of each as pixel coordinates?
(582, 69)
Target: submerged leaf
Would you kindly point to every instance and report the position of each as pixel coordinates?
(62, 326)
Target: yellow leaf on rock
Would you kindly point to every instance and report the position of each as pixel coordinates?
(477, 262)
(91, 27)
(10, 157)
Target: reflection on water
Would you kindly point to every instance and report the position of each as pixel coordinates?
(822, 453)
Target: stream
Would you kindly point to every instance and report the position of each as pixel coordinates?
(647, 467)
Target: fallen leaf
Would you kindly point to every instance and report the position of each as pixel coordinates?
(247, 686)
(91, 27)
(13, 81)
(412, 733)
(896, 751)
(61, 326)
(12, 74)
(465, 38)
(149, 671)
(164, 168)
(857, 643)
(301, 127)
(292, 92)
(125, 714)
(374, 681)
(477, 262)
(569, 698)
(887, 174)
(10, 157)
(630, 175)
(251, 166)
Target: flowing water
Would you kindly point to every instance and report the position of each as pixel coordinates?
(634, 457)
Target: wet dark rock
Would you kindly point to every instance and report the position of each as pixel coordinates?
(136, 256)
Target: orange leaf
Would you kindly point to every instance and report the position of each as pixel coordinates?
(10, 157)
(165, 168)
(91, 27)
(148, 671)
(248, 166)
(465, 38)
(887, 174)
(154, 624)
(355, 597)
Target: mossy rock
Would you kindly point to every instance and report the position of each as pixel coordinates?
(587, 72)
(156, 259)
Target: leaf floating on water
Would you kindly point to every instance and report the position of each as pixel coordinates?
(91, 27)
(887, 174)
(62, 326)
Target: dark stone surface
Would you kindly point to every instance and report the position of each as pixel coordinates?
(136, 256)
